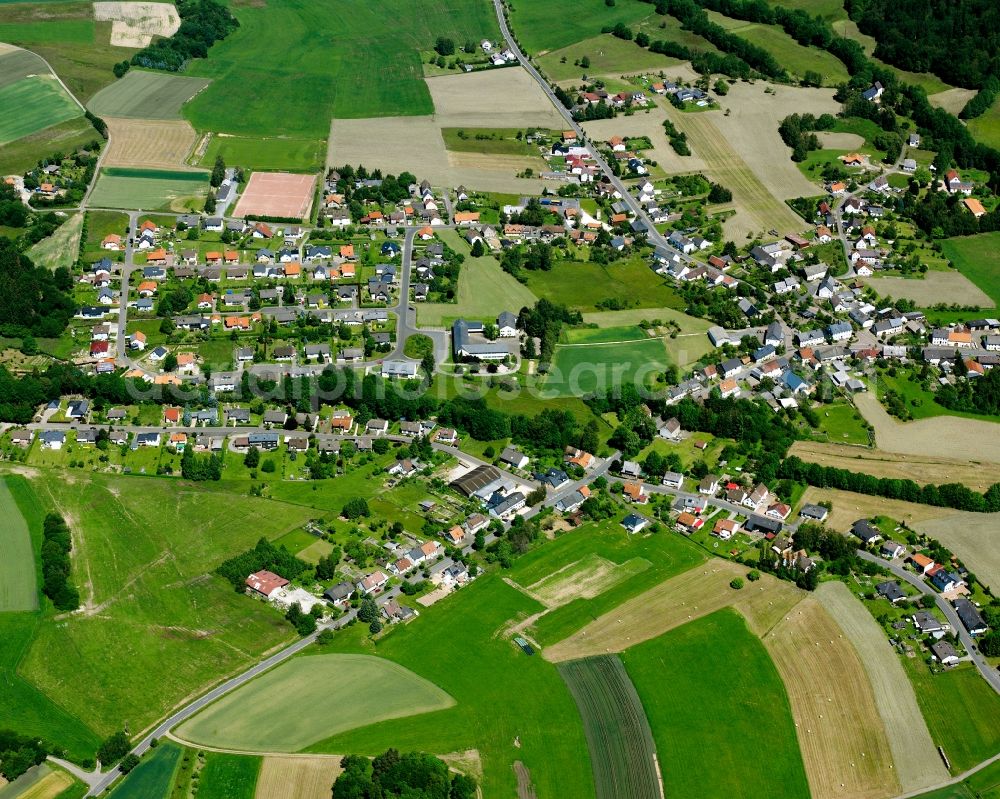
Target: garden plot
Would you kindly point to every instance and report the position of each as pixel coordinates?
(134, 24)
(150, 144)
(934, 287)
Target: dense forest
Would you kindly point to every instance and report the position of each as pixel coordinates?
(32, 300)
(203, 23)
(957, 40)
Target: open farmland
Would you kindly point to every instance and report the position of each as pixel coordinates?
(920, 468)
(228, 776)
(297, 777)
(581, 285)
(583, 579)
(41, 102)
(622, 753)
(266, 152)
(38, 782)
(932, 288)
(501, 98)
(553, 24)
(152, 778)
(146, 95)
(986, 128)
(608, 55)
(308, 699)
(62, 247)
(952, 100)
(67, 137)
(17, 558)
(734, 688)
(483, 287)
(143, 553)
(148, 144)
(977, 257)
(843, 740)
(149, 189)
(581, 369)
(370, 64)
(939, 436)
(134, 24)
(688, 596)
(913, 752)
(281, 194)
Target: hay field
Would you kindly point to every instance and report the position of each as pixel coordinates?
(307, 699)
(939, 436)
(913, 752)
(691, 595)
(62, 247)
(146, 95)
(297, 777)
(134, 24)
(41, 102)
(952, 100)
(841, 735)
(51, 785)
(151, 144)
(920, 468)
(149, 189)
(415, 144)
(647, 124)
(499, 98)
(832, 140)
(583, 579)
(935, 287)
(974, 537)
(17, 558)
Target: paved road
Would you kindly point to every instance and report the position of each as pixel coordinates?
(121, 358)
(653, 236)
(990, 674)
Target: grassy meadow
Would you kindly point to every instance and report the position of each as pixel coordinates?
(18, 590)
(311, 698)
(554, 24)
(267, 152)
(708, 744)
(66, 137)
(608, 55)
(149, 189)
(582, 369)
(228, 776)
(986, 128)
(978, 258)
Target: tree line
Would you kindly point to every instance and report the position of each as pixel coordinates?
(18, 753)
(57, 543)
(980, 395)
(203, 23)
(32, 299)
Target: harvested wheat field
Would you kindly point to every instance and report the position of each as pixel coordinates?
(939, 436)
(646, 124)
(691, 595)
(297, 777)
(913, 752)
(49, 786)
(935, 287)
(500, 98)
(974, 537)
(848, 507)
(151, 143)
(841, 735)
(415, 144)
(952, 100)
(832, 140)
(134, 24)
(920, 468)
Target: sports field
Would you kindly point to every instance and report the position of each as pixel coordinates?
(582, 369)
(228, 776)
(370, 64)
(841, 735)
(622, 752)
(41, 103)
(277, 194)
(308, 699)
(723, 691)
(913, 751)
(146, 95)
(296, 777)
(582, 284)
(978, 258)
(697, 592)
(149, 189)
(152, 778)
(266, 152)
(17, 558)
(483, 289)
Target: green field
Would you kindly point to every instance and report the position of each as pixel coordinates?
(152, 778)
(66, 137)
(267, 152)
(582, 284)
(149, 189)
(501, 693)
(484, 290)
(492, 141)
(65, 32)
(146, 95)
(269, 69)
(986, 128)
(578, 370)
(553, 24)
(144, 552)
(841, 424)
(668, 555)
(17, 566)
(605, 335)
(62, 247)
(18, 64)
(797, 59)
(622, 753)
(978, 258)
(228, 776)
(730, 693)
(41, 103)
(961, 712)
(311, 698)
(608, 55)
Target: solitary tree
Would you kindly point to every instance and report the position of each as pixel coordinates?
(218, 172)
